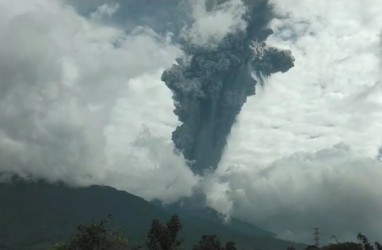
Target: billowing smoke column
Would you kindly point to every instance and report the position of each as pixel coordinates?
(210, 84)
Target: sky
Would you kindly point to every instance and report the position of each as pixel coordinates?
(81, 101)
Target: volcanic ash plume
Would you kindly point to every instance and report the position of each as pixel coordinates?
(210, 84)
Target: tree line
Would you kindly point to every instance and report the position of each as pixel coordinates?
(165, 236)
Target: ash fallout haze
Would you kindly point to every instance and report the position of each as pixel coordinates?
(270, 109)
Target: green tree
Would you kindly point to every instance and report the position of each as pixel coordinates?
(209, 242)
(364, 245)
(378, 245)
(95, 236)
(365, 242)
(164, 237)
(343, 246)
(230, 246)
(212, 242)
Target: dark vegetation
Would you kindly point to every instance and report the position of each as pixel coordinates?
(362, 244)
(39, 215)
(94, 236)
(166, 237)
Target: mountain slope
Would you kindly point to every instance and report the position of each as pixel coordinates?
(33, 213)
(36, 215)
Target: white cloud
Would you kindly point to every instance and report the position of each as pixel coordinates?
(332, 95)
(62, 75)
(82, 102)
(332, 189)
(139, 149)
(149, 167)
(104, 11)
(211, 26)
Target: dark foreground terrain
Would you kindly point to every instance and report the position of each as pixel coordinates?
(37, 215)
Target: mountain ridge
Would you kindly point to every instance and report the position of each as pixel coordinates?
(35, 215)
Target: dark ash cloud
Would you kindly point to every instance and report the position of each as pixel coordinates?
(211, 83)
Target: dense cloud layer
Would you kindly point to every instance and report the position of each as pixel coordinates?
(162, 16)
(65, 80)
(81, 101)
(212, 81)
(281, 168)
(333, 189)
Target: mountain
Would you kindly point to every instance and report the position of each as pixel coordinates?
(35, 215)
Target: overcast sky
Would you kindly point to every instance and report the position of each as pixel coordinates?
(81, 100)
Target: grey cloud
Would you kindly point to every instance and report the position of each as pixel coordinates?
(211, 84)
(332, 189)
(75, 93)
(279, 167)
(162, 16)
(62, 78)
(379, 155)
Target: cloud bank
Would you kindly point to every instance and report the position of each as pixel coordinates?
(305, 150)
(69, 83)
(81, 101)
(212, 21)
